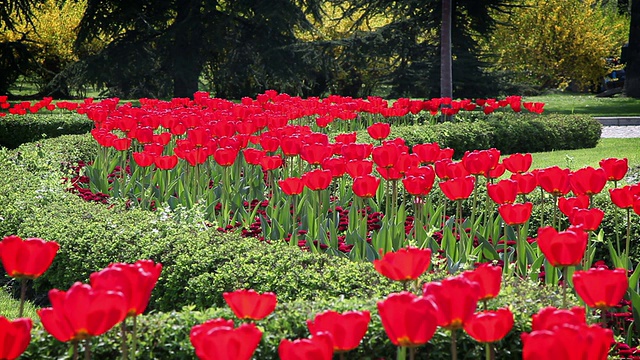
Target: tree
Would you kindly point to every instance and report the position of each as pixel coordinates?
(632, 81)
(446, 80)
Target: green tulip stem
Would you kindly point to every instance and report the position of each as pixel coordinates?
(23, 295)
(603, 318)
(341, 356)
(626, 251)
(402, 353)
(134, 337)
(542, 207)
(474, 206)
(87, 349)
(123, 331)
(75, 349)
(394, 198)
(412, 353)
(454, 348)
(565, 281)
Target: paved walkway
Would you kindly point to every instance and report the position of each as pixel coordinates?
(620, 127)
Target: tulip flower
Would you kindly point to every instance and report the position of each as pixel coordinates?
(317, 347)
(447, 169)
(253, 156)
(386, 155)
(379, 131)
(317, 179)
(347, 329)
(248, 304)
(518, 163)
(291, 146)
(356, 151)
(405, 264)
(534, 107)
(615, 169)
(479, 162)
(407, 319)
(269, 163)
(623, 197)
(366, 186)
(143, 159)
(568, 205)
(218, 339)
(587, 181)
(337, 166)
(315, 153)
(589, 219)
(567, 341)
(225, 156)
(489, 326)
(458, 188)
(488, 278)
(28, 258)
(504, 192)
(496, 172)
(550, 317)
(348, 138)
(554, 180)
(82, 312)
(565, 248)
(357, 168)
(419, 185)
(166, 162)
(527, 182)
(428, 153)
(601, 288)
(291, 186)
(14, 337)
(515, 214)
(456, 299)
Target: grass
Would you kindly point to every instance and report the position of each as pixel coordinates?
(575, 159)
(9, 307)
(567, 103)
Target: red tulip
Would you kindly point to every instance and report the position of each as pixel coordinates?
(122, 144)
(518, 163)
(291, 146)
(406, 162)
(550, 317)
(389, 174)
(379, 131)
(489, 279)
(248, 304)
(589, 219)
(82, 312)
(317, 179)
(587, 181)
(428, 153)
(527, 182)
(337, 166)
(135, 281)
(28, 258)
(601, 288)
(515, 214)
(554, 180)
(447, 169)
(291, 186)
(456, 299)
(567, 205)
(366, 186)
(458, 188)
(356, 151)
(347, 138)
(407, 319)
(318, 347)
(357, 168)
(419, 185)
(347, 329)
(615, 169)
(534, 107)
(496, 172)
(225, 156)
(565, 248)
(405, 264)
(166, 162)
(315, 153)
(386, 155)
(143, 159)
(269, 163)
(568, 342)
(14, 337)
(253, 156)
(269, 143)
(479, 162)
(504, 192)
(489, 326)
(623, 197)
(218, 339)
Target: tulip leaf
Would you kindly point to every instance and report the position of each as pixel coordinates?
(633, 279)
(635, 305)
(534, 270)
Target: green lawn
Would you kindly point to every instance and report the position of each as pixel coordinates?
(9, 307)
(588, 104)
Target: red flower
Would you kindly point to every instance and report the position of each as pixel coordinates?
(527, 182)
(456, 299)
(28, 258)
(248, 304)
(601, 288)
(496, 172)
(550, 317)
(534, 107)
(458, 188)
(218, 339)
(291, 186)
(225, 156)
(291, 145)
(166, 162)
(479, 162)
(447, 169)
(488, 277)
(317, 179)
(587, 181)
(623, 197)
(489, 326)
(567, 342)
(356, 151)
(14, 337)
(389, 174)
(405, 264)
(567, 205)
(143, 159)
(318, 347)
(337, 166)
(589, 219)
(357, 168)
(253, 156)
(428, 153)
(122, 144)
(347, 329)
(504, 192)
(386, 155)
(379, 131)
(515, 214)
(269, 163)
(135, 281)
(315, 153)
(554, 180)
(518, 163)
(615, 169)
(366, 186)
(82, 312)
(347, 138)
(407, 319)
(565, 248)
(419, 185)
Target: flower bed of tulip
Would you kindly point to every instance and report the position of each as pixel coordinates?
(408, 215)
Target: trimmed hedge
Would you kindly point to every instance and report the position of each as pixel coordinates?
(16, 130)
(166, 335)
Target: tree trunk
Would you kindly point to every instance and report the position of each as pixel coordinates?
(187, 63)
(632, 80)
(446, 77)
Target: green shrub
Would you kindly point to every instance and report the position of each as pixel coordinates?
(16, 130)
(166, 335)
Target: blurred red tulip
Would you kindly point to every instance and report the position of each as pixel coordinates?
(291, 186)
(489, 326)
(534, 107)
(82, 312)
(601, 288)
(253, 156)
(515, 214)
(347, 329)
(317, 179)
(623, 197)
(550, 317)
(386, 155)
(456, 299)
(428, 153)
(615, 169)
(504, 192)
(488, 278)
(366, 186)
(357, 168)
(248, 304)
(554, 180)
(166, 162)
(404, 264)
(565, 248)
(496, 172)
(347, 138)
(389, 174)
(478, 162)
(379, 131)
(458, 188)
(567, 205)
(518, 163)
(527, 182)
(447, 169)
(225, 156)
(315, 153)
(419, 185)
(269, 163)
(356, 151)
(14, 337)
(28, 258)
(218, 339)
(122, 144)
(317, 347)
(568, 342)
(407, 319)
(587, 181)
(143, 159)
(589, 219)
(337, 166)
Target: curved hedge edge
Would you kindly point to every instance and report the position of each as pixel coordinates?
(16, 130)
